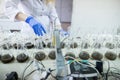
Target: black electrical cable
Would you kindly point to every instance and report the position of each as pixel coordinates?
(53, 76)
(38, 69)
(65, 39)
(109, 70)
(86, 65)
(116, 76)
(25, 70)
(85, 78)
(30, 73)
(77, 60)
(41, 64)
(48, 74)
(33, 70)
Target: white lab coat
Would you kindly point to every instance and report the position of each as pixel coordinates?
(37, 8)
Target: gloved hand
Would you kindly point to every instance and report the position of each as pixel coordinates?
(37, 27)
(64, 33)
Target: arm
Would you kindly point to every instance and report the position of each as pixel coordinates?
(13, 12)
(37, 27)
(54, 18)
(53, 15)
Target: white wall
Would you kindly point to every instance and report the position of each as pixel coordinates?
(95, 16)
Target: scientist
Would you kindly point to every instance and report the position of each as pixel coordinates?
(39, 14)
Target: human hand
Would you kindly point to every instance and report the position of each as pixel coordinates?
(36, 26)
(64, 33)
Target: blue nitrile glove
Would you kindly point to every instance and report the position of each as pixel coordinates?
(37, 27)
(64, 33)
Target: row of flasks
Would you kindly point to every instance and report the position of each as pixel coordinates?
(20, 41)
(41, 55)
(41, 45)
(22, 57)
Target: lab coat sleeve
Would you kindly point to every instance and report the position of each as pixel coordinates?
(11, 9)
(53, 14)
